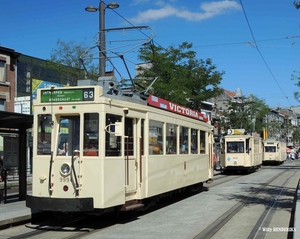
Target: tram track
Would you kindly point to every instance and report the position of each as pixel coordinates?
(90, 226)
(264, 219)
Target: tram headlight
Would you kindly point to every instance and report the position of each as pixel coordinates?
(65, 169)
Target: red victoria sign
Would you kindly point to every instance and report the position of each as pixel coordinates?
(172, 107)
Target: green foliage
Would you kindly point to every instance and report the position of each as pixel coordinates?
(296, 136)
(66, 64)
(181, 77)
(297, 4)
(296, 78)
(245, 114)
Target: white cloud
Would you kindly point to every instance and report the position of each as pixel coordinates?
(209, 10)
(136, 2)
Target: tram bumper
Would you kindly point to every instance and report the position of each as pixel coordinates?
(60, 204)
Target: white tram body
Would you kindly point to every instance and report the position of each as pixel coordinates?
(241, 153)
(121, 150)
(274, 151)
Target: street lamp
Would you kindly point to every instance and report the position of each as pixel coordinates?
(102, 41)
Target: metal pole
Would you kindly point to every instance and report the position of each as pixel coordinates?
(31, 93)
(102, 53)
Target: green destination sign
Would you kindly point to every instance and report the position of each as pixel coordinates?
(67, 95)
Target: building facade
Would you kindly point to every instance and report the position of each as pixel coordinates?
(8, 78)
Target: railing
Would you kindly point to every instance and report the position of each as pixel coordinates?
(10, 183)
(12, 173)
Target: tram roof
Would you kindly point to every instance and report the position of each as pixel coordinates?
(13, 120)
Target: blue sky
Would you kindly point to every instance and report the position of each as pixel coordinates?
(256, 43)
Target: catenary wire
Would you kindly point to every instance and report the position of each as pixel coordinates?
(256, 46)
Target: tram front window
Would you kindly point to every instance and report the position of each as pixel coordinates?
(235, 147)
(270, 149)
(91, 134)
(113, 145)
(68, 135)
(44, 134)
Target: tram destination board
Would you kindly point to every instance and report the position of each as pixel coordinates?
(67, 95)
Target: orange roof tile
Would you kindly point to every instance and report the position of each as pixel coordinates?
(230, 93)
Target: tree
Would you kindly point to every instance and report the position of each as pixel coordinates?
(296, 78)
(245, 114)
(297, 4)
(181, 77)
(296, 136)
(65, 62)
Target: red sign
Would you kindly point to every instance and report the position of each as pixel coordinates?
(172, 107)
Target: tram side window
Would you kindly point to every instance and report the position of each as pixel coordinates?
(44, 134)
(184, 140)
(142, 135)
(69, 135)
(129, 140)
(202, 142)
(156, 137)
(194, 141)
(171, 138)
(91, 134)
(112, 142)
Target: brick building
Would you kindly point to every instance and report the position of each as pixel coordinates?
(8, 76)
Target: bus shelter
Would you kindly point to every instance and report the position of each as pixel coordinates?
(16, 124)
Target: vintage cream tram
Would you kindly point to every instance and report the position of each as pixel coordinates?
(241, 152)
(97, 148)
(274, 151)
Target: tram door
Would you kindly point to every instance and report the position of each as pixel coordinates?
(130, 153)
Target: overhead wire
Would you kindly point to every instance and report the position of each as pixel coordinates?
(254, 44)
(256, 47)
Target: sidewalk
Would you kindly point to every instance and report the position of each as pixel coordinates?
(13, 213)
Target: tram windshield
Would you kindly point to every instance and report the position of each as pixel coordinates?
(270, 149)
(235, 147)
(68, 136)
(44, 134)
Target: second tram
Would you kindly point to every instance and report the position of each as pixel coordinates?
(241, 152)
(274, 151)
